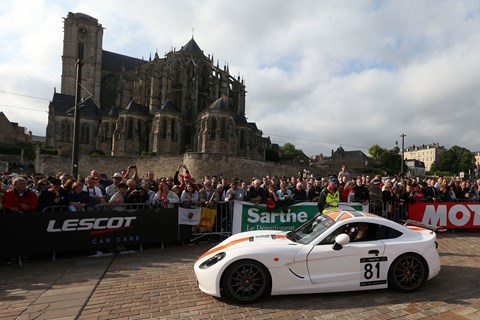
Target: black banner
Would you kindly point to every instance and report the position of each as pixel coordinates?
(34, 233)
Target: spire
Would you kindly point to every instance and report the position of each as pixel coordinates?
(192, 47)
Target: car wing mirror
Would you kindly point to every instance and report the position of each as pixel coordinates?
(340, 241)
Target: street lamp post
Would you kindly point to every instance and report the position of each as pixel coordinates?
(403, 135)
(76, 117)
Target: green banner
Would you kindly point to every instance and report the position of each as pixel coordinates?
(248, 216)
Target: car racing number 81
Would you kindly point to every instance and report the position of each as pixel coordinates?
(373, 271)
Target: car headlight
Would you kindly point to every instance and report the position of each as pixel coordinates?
(211, 261)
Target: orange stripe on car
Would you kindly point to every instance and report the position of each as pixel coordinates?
(346, 216)
(223, 247)
(334, 215)
(416, 228)
(279, 236)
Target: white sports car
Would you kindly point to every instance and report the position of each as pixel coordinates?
(338, 251)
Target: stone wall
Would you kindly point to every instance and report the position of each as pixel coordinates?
(198, 164)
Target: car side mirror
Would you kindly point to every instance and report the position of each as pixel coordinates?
(340, 241)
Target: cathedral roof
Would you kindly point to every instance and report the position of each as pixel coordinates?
(64, 104)
(169, 106)
(252, 126)
(80, 15)
(353, 154)
(115, 62)
(113, 112)
(240, 119)
(136, 108)
(192, 47)
(219, 104)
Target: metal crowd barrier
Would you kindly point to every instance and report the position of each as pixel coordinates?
(392, 210)
(106, 206)
(222, 227)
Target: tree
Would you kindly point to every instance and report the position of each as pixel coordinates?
(455, 160)
(376, 151)
(389, 161)
(289, 148)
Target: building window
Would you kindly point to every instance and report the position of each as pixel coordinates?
(106, 132)
(188, 135)
(223, 130)
(242, 140)
(130, 129)
(172, 130)
(65, 132)
(178, 75)
(204, 77)
(177, 100)
(164, 128)
(213, 129)
(84, 134)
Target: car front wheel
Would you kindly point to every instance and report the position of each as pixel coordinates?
(246, 281)
(407, 273)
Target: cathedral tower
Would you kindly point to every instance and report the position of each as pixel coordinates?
(81, 28)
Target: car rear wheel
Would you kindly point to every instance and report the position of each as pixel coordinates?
(246, 281)
(407, 273)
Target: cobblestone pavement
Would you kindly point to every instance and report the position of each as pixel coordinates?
(160, 284)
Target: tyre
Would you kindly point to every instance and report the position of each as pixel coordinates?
(407, 273)
(246, 281)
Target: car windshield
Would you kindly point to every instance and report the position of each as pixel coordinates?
(310, 230)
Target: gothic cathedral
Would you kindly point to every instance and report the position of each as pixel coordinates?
(183, 102)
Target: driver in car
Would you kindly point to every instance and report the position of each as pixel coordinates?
(357, 231)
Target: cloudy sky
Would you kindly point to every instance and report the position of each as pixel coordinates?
(319, 74)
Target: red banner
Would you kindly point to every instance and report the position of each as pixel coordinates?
(449, 215)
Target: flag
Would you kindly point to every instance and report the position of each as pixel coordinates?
(189, 216)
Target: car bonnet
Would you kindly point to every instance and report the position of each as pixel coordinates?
(252, 238)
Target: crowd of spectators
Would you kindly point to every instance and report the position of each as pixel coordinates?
(37, 193)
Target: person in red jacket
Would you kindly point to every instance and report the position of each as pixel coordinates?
(19, 198)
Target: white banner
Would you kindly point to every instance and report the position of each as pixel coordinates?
(189, 216)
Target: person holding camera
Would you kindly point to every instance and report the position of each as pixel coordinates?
(134, 194)
(208, 195)
(131, 173)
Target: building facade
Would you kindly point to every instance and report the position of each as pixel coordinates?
(477, 163)
(427, 154)
(11, 132)
(356, 161)
(181, 102)
(415, 167)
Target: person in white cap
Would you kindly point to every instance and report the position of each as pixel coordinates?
(113, 188)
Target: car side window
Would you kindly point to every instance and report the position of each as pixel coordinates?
(358, 232)
(371, 233)
(385, 232)
(330, 239)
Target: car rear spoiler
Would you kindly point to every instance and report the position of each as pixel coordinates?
(420, 224)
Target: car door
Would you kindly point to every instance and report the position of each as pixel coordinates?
(355, 265)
